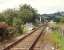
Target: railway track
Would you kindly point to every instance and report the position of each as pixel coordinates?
(28, 41)
(38, 44)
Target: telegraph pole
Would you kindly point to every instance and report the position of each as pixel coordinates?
(40, 19)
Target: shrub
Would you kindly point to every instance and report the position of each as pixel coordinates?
(5, 31)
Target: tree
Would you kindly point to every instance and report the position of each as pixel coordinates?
(27, 13)
(9, 15)
(15, 19)
(2, 18)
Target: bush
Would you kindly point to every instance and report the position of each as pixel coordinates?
(5, 31)
(11, 32)
(20, 29)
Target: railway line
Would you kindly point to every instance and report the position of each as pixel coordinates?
(29, 41)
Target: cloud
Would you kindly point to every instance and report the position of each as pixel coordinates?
(4, 4)
(43, 6)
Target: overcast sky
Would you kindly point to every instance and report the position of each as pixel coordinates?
(43, 6)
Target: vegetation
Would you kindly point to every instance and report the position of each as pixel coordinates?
(16, 19)
(58, 40)
(27, 13)
(57, 17)
(56, 37)
(6, 31)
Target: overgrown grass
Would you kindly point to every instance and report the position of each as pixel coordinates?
(58, 40)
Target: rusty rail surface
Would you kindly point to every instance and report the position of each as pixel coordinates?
(31, 48)
(13, 44)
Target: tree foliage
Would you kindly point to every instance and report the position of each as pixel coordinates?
(9, 15)
(17, 18)
(27, 13)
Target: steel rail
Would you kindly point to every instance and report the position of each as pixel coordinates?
(13, 44)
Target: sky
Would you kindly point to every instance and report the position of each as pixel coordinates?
(43, 6)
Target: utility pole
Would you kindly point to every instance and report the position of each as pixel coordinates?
(40, 19)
